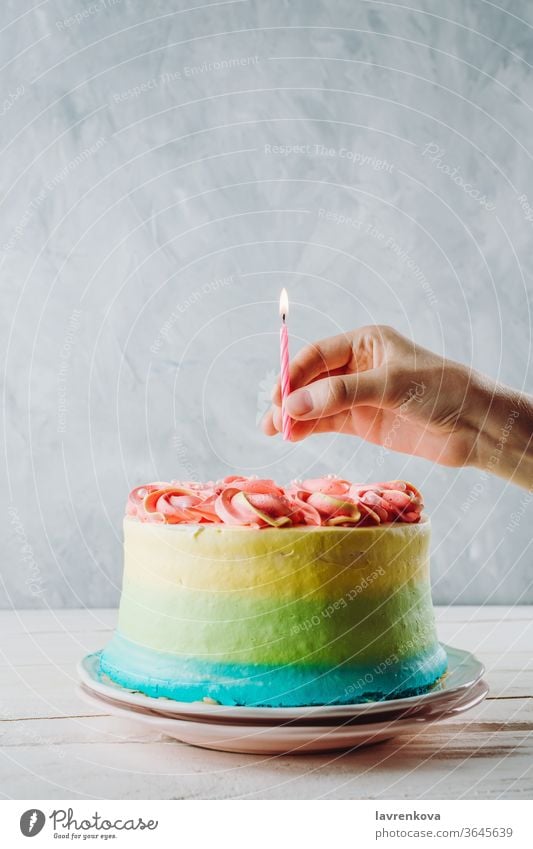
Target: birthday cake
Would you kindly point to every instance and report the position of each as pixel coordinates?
(243, 592)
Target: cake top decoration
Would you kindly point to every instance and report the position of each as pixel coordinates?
(261, 503)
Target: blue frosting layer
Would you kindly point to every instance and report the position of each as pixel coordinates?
(191, 679)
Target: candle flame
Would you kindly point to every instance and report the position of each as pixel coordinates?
(284, 304)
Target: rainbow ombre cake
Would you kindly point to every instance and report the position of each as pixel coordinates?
(247, 593)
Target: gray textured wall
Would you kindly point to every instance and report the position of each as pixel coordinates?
(148, 224)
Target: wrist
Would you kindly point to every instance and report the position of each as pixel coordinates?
(503, 421)
(480, 417)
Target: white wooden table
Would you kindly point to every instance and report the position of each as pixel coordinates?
(53, 746)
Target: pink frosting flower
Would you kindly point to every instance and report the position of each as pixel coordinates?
(391, 501)
(329, 485)
(135, 503)
(326, 501)
(258, 503)
(172, 504)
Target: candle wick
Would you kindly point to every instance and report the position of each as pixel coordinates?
(283, 318)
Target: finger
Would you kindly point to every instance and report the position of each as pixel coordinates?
(276, 392)
(334, 394)
(298, 429)
(301, 430)
(272, 424)
(333, 353)
(330, 424)
(267, 424)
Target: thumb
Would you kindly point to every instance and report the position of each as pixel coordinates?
(335, 394)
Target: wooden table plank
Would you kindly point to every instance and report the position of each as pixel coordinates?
(447, 764)
(53, 745)
(61, 621)
(483, 613)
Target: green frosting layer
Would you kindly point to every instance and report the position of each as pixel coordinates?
(248, 629)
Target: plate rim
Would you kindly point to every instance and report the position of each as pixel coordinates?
(202, 711)
(342, 736)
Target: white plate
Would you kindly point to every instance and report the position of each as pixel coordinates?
(284, 739)
(463, 671)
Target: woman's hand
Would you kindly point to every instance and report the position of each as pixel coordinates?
(377, 384)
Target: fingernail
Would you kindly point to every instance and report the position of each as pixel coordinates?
(299, 403)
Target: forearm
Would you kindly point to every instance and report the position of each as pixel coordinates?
(504, 445)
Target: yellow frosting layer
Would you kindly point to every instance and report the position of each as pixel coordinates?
(288, 563)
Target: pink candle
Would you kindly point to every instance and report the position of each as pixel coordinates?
(284, 359)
